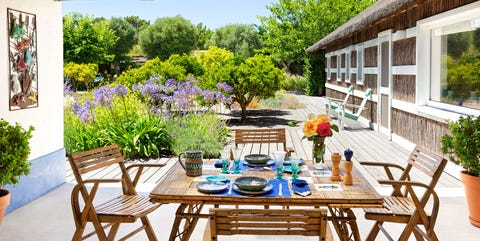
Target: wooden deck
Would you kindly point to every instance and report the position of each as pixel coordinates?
(368, 145)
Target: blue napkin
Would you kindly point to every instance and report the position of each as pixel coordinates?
(301, 187)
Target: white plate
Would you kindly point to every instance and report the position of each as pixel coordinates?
(212, 187)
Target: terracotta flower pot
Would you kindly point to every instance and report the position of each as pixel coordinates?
(4, 202)
(472, 193)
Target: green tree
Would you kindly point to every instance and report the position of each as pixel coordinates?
(168, 36)
(241, 39)
(80, 75)
(296, 24)
(190, 63)
(219, 66)
(256, 77)
(204, 35)
(138, 24)
(125, 33)
(87, 40)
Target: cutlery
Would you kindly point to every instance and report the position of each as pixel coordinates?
(280, 190)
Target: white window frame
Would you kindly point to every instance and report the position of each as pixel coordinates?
(428, 57)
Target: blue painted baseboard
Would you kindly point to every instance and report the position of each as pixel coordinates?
(46, 173)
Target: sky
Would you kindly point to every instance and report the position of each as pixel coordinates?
(212, 13)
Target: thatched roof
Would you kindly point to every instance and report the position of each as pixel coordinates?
(371, 15)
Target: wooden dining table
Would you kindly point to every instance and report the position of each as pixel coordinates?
(176, 187)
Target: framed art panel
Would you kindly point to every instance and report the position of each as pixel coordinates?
(23, 68)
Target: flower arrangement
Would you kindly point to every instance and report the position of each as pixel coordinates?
(316, 129)
(318, 126)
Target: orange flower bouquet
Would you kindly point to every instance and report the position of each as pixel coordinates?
(316, 129)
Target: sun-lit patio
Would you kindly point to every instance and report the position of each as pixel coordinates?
(50, 217)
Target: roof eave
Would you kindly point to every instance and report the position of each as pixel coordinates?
(370, 15)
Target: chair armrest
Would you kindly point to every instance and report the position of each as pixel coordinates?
(386, 166)
(139, 171)
(382, 164)
(404, 183)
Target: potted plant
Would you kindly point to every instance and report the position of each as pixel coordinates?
(15, 149)
(462, 146)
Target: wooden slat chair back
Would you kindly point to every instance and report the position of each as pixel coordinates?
(125, 208)
(307, 222)
(406, 204)
(262, 141)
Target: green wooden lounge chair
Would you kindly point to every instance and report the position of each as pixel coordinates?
(333, 104)
(345, 114)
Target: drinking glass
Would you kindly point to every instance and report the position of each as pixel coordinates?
(295, 167)
(225, 155)
(236, 159)
(279, 158)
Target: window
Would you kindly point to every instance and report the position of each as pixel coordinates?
(347, 74)
(360, 64)
(328, 67)
(455, 60)
(339, 67)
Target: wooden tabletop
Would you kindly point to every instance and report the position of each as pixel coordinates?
(177, 187)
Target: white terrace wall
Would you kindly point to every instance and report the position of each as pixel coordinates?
(47, 150)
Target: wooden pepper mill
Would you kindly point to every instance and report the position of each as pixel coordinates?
(348, 166)
(336, 158)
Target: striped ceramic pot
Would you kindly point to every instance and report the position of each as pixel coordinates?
(192, 163)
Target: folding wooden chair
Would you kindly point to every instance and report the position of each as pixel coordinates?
(264, 141)
(307, 222)
(126, 208)
(406, 204)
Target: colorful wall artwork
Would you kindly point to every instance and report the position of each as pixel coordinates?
(22, 40)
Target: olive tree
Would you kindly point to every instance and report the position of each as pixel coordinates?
(256, 77)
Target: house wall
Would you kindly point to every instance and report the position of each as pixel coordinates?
(412, 120)
(47, 150)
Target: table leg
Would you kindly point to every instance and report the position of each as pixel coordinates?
(189, 214)
(345, 224)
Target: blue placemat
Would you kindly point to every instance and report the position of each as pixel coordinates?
(272, 193)
(244, 166)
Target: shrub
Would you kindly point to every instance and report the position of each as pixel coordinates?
(462, 145)
(198, 131)
(295, 83)
(14, 152)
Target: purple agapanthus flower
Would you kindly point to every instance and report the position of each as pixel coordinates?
(84, 112)
(225, 87)
(120, 90)
(67, 88)
(103, 96)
